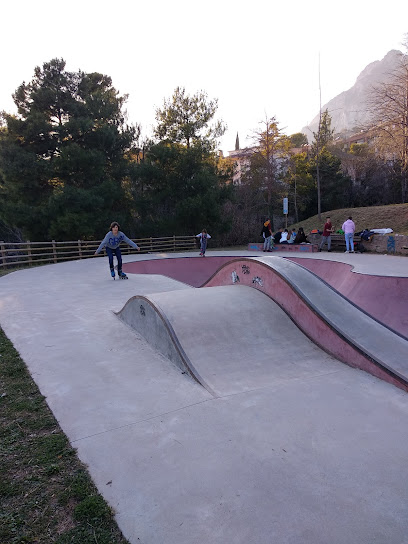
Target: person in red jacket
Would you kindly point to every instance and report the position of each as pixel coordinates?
(326, 236)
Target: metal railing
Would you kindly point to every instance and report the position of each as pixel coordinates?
(32, 253)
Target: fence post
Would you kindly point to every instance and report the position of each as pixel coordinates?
(30, 259)
(174, 242)
(79, 249)
(151, 244)
(54, 250)
(3, 252)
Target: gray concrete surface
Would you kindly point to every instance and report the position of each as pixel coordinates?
(235, 337)
(310, 458)
(234, 321)
(372, 338)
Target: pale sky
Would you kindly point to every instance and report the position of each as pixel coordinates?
(256, 57)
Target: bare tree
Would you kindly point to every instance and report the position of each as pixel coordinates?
(388, 104)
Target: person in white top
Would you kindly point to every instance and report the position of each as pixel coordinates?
(349, 227)
(204, 236)
(284, 237)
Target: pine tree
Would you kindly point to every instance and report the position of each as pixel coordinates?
(63, 157)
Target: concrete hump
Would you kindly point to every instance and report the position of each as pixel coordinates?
(149, 316)
(324, 315)
(230, 339)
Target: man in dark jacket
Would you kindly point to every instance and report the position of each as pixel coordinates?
(267, 235)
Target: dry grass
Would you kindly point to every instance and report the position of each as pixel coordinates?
(46, 493)
(394, 216)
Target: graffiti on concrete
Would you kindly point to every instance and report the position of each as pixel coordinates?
(257, 281)
(234, 277)
(142, 310)
(245, 269)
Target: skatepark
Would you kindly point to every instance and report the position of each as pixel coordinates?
(237, 398)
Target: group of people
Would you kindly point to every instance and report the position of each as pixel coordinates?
(114, 237)
(281, 236)
(348, 228)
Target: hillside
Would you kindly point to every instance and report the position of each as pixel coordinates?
(394, 216)
(348, 110)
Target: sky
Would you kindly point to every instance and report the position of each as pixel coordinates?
(258, 59)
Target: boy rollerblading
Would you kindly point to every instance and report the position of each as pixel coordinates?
(111, 243)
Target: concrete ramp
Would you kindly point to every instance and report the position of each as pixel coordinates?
(324, 315)
(230, 339)
(383, 297)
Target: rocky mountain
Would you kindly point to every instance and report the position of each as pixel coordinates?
(348, 110)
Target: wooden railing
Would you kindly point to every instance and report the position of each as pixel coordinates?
(32, 253)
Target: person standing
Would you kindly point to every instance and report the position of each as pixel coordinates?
(204, 237)
(267, 235)
(111, 243)
(326, 236)
(349, 228)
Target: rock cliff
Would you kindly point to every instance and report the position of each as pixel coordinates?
(348, 110)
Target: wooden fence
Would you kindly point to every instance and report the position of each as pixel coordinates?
(32, 253)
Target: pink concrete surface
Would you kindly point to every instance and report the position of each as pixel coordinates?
(302, 248)
(383, 297)
(194, 271)
(304, 316)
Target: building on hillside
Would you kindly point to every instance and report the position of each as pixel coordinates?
(353, 163)
(362, 137)
(297, 150)
(242, 159)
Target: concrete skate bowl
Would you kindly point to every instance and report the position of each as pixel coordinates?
(194, 271)
(325, 316)
(223, 326)
(383, 297)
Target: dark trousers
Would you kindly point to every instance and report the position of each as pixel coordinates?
(118, 254)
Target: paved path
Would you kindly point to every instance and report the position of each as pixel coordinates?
(317, 455)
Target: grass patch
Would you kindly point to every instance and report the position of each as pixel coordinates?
(394, 216)
(46, 493)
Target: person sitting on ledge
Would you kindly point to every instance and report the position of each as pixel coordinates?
(300, 237)
(277, 236)
(292, 236)
(284, 237)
